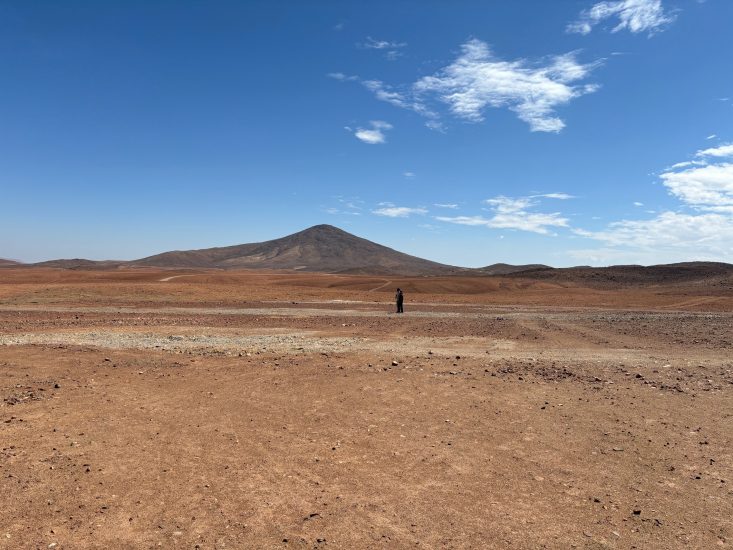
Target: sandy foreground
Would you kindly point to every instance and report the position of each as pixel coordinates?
(261, 410)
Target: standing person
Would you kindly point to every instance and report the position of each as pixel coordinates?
(399, 298)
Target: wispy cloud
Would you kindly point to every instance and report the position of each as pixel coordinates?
(478, 80)
(374, 135)
(347, 206)
(712, 136)
(707, 187)
(725, 150)
(638, 204)
(444, 205)
(670, 236)
(372, 44)
(392, 211)
(633, 15)
(391, 50)
(559, 196)
(704, 232)
(512, 213)
(342, 77)
(409, 175)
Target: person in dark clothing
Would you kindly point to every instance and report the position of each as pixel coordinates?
(399, 298)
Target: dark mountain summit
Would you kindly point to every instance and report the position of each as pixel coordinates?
(323, 248)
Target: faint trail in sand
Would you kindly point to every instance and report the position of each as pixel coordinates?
(173, 277)
(380, 286)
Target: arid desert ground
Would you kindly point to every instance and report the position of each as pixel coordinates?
(148, 408)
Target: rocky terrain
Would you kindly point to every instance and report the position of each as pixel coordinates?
(148, 408)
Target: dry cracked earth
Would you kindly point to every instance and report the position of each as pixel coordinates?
(219, 411)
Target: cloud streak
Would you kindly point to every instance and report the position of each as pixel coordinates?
(391, 211)
(513, 213)
(391, 49)
(633, 15)
(477, 80)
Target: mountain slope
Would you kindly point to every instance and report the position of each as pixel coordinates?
(322, 248)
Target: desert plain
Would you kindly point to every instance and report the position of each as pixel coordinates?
(148, 408)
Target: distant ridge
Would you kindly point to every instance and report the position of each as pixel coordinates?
(321, 248)
(505, 269)
(716, 273)
(79, 263)
(8, 263)
(328, 249)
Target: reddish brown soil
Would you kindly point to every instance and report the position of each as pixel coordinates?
(251, 409)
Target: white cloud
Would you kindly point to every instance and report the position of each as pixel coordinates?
(466, 220)
(477, 80)
(512, 213)
(725, 150)
(670, 236)
(712, 136)
(342, 77)
(705, 233)
(638, 204)
(686, 163)
(402, 99)
(559, 196)
(398, 211)
(375, 135)
(707, 187)
(443, 205)
(633, 15)
(409, 175)
(373, 44)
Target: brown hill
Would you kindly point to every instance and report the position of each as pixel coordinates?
(321, 248)
(8, 263)
(709, 273)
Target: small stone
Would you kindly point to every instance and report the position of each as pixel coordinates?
(618, 449)
(394, 363)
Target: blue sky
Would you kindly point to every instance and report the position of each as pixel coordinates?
(567, 133)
